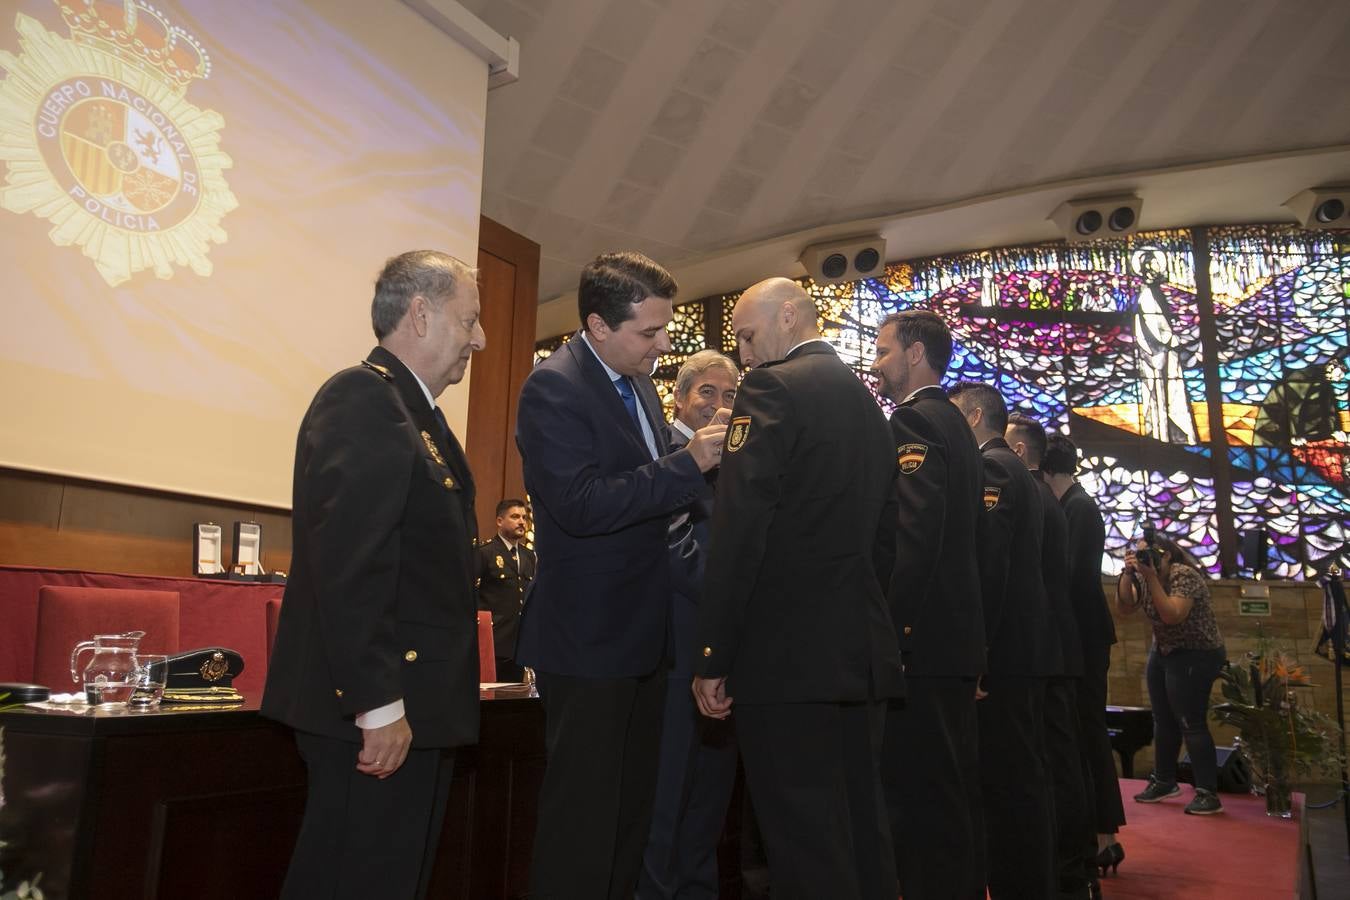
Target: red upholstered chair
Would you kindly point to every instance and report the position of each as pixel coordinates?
(273, 615)
(487, 652)
(68, 615)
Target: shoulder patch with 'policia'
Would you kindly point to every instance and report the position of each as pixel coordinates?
(738, 432)
(991, 495)
(910, 456)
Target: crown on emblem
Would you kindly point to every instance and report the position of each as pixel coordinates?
(137, 33)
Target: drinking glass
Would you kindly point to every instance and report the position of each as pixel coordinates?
(151, 671)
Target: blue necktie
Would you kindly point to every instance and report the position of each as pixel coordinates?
(629, 399)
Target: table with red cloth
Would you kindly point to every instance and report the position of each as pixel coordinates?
(212, 613)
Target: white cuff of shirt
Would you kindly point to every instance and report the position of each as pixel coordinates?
(381, 716)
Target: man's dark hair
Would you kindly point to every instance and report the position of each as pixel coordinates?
(970, 394)
(508, 504)
(1061, 456)
(613, 283)
(927, 328)
(1032, 433)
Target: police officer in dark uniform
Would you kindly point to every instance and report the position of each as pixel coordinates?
(930, 759)
(1097, 632)
(375, 663)
(1063, 761)
(505, 570)
(1023, 651)
(795, 634)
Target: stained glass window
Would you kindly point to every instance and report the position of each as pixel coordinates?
(1280, 310)
(1103, 341)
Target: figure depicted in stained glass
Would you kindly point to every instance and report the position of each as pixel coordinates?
(1303, 407)
(1166, 408)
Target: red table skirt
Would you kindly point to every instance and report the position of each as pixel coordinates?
(211, 614)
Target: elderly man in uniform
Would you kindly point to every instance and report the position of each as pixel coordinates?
(505, 570)
(793, 624)
(375, 664)
(1023, 649)
(930, 760)
(697, 768)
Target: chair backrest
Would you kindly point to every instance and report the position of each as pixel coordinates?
(487, 654)
(68, 615)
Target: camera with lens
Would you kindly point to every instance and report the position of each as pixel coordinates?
(1151, 554)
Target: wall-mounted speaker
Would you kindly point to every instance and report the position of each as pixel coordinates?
(1255, 549)
(833, 262)
(1321, 208)
(1096, 218)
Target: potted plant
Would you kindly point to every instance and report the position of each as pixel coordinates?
(1279, 736)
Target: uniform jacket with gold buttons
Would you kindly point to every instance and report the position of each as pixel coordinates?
(935, 588)
(1019, 631)
(501, 590)
(794, 604)
(380, 601)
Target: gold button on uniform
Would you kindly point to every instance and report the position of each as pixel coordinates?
(411, 656)
(908, 630)
(450, 482)
(707, 651)
(338, 692)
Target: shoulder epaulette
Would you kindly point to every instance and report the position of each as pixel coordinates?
(381, 370)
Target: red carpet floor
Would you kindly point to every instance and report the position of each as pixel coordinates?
(1237, 855)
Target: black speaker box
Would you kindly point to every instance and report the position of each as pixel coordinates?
(1235, 775)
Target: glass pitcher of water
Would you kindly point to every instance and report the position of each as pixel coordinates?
(110, 676)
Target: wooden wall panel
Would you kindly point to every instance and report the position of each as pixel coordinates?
(69, 523)
(508, 266)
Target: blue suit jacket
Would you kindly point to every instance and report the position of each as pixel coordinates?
(688, 559)
(599, 606)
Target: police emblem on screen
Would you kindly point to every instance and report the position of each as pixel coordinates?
(100, 141)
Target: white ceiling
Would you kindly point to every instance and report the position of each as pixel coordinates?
(721, 136)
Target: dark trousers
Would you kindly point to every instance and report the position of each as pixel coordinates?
(602, 736)
(813, 773)
(1068, 783)
(1105, 808)
(365, 837)
(695, 776)
(930, 769)
(1178, 689)
(1017, 816)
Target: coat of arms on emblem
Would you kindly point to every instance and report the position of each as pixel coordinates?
(991, 495)
(119, 162)
(910, 456)
(738, 432)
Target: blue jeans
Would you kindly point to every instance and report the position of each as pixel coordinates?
(1178, 688)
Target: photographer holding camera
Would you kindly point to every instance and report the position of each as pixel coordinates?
(1167, 584)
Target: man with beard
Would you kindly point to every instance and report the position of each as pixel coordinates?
(930, 761)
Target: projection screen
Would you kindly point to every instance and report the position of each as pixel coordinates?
(196, 198)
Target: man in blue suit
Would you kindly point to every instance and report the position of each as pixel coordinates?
(698, 755)
(595, 627)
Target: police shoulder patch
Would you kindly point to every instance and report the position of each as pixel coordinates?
(738, 432)
(991, 495)
(909, 457)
